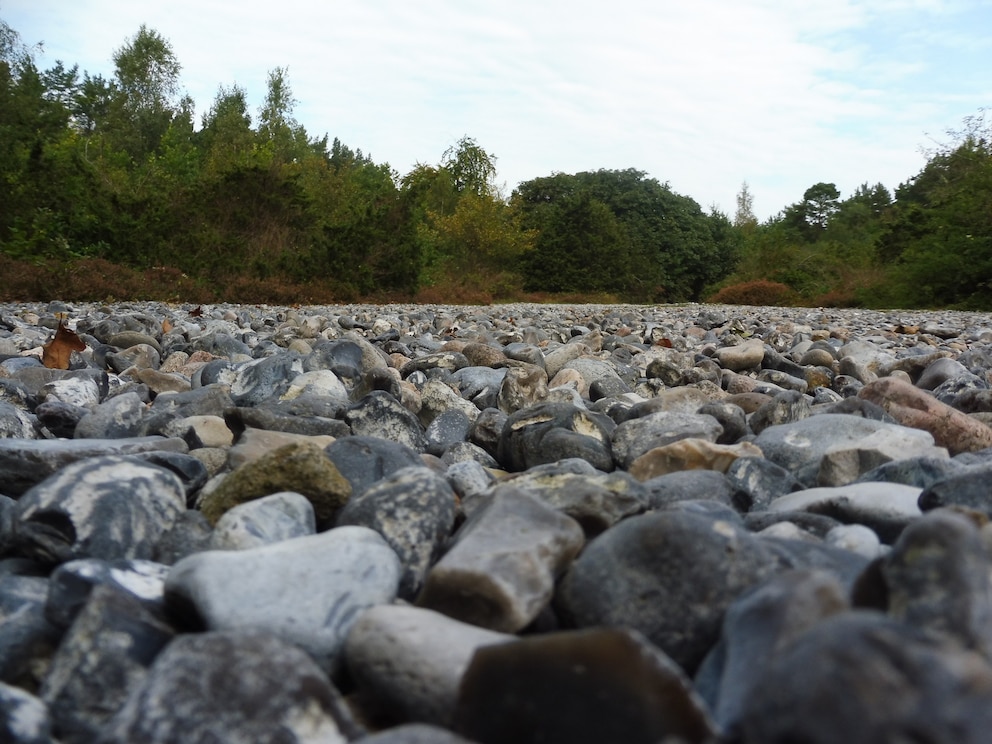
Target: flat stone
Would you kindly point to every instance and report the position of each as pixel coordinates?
(745, 356)
(594, 499)
(885, 507)
(799, 446)
(306, 590)
(846, 462)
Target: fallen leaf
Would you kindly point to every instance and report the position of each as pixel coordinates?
(196, 312)
(56, 353)
(166, 325)
(665, 342)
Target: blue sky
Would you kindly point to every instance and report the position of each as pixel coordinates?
(703, 95)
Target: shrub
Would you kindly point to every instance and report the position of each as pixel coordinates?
(758, 292)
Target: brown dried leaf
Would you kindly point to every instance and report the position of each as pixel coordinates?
(166, 325)
(56, 353)
(196, 312)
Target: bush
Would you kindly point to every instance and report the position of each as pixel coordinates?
(758, 292)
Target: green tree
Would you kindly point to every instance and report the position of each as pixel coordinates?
(146, 92)
(465, 230)
(226, 137)
(820, 204)
(665, 247)
(938, 249)
(744, 218)
(471, 168)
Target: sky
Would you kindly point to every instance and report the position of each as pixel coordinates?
(703, 95)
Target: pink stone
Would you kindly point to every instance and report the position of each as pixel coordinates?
(910, 406)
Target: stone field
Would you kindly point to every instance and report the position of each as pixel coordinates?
(503, 525)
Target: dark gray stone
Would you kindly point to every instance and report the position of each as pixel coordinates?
(847, 566)
(940, 371)
(264, 379)
(784, 408)
(799, 446)
(365, 460)
(27, 638)
(445, 360)
(670, 575)
(686, 485)
(547, 432)
(60, 418)
(71, 584)
(307, 415)
(24, 463)
(861, 678)
(634, 437)
(487, 429)
(414, 510)
(110, 507)
(190, 533)
(967, 486)
(8, 510)
(480, 385)
(464, 451)
(191, 472)
(731, 417)
(15, 423)
(937, 579)
(380, 415)
(756, 625)
(921, 472)
(816, 524)
(448, 428)
(119, 417)
(587, 686)
(343, 357)
(757, 482)
(235, 686)
(528, 353)
(102, 657)
(209, 400)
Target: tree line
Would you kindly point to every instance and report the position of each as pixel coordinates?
(116, 171)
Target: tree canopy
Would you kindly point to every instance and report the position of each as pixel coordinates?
(116, 170)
